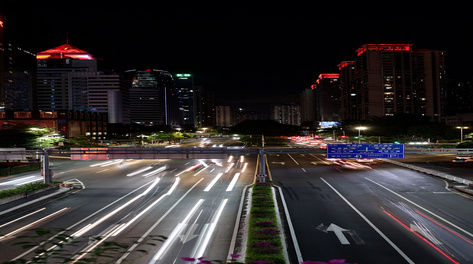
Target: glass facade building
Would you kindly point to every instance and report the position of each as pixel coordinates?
(187, 98)
(153, 98)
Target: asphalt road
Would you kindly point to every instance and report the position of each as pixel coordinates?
(133, 203)
(381, 214)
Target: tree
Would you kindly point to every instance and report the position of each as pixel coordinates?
(17, 135)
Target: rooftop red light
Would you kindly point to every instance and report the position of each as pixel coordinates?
(344, 64)
(383, 47)
(65, 51)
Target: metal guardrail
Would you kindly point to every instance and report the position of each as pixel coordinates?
(430, 172)
(212, 150)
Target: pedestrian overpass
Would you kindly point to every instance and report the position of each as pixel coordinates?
(176, 153)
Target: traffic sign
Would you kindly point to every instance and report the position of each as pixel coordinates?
(362, 151)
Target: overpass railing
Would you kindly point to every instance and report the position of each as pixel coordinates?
(179, 153)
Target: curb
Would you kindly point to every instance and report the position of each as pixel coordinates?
(467, 184)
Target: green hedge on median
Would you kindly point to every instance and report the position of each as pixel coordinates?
(264, 240)
(23, 189)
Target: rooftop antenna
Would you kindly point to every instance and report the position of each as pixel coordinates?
(67, 37)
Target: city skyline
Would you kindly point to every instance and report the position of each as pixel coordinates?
(272, 52)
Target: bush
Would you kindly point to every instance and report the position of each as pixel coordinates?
(264, 241)
(23, 189)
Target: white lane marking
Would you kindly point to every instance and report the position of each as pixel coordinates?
(430, 212)
(233, 182)
(370, 223)
(293, 159)
(291, 228)
(212, 183)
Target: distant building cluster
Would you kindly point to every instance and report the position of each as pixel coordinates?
(65, 88)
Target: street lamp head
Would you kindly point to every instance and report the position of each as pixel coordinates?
(361, 128)
(461, 127)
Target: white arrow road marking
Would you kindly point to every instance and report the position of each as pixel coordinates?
(189, 235)
(175, 232)
(370, 223)
(339, 233)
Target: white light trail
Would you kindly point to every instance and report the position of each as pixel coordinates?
(197, 173)
(205, 238)
(106, 163)
(176, 232)
(33, 223)
(12, 181)
(244, 167)
(229, 167)
(13, 221)
(90, 226)
(139, 171)
(34, 180)
(150, 187)
(156, 171)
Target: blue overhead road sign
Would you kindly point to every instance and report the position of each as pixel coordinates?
(362, 151)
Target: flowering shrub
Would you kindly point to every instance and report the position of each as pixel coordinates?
(265, 247)
(265, 224)
(267, 231)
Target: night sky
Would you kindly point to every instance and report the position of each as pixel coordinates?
(247, 54)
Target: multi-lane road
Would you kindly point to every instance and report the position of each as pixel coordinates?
(193, 203)
(376, 213)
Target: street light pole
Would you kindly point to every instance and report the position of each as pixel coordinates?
(461, 133)
(359, 133)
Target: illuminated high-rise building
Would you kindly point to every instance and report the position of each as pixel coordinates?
(393, 78)
(17, 71)
(348, 98)
(187, 98)
(308, 107)
(68, 79)
(287, 114)
(153, 98)
(327, 94)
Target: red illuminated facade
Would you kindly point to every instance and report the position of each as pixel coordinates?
(383, 47)
(63, 52)
(386, 79)
(327, 92)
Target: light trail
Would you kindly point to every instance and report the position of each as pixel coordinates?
(18, 219)
(33, 223)
(10, 182)
(207, 234)
(175, 232)
(139, 171)
(421, 237)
